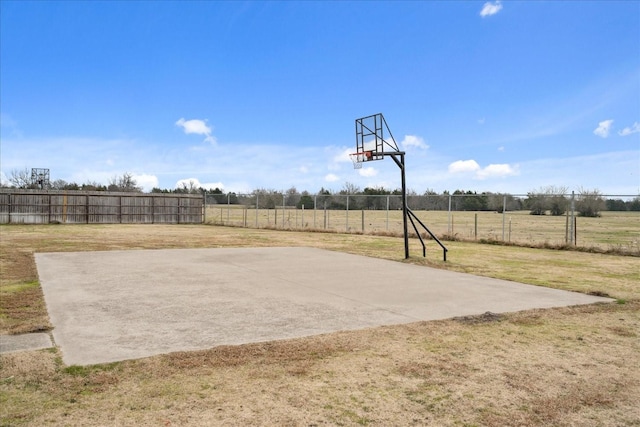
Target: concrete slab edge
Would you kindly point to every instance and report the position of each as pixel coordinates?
(25, 342)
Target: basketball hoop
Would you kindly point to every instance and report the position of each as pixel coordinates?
(359, 158)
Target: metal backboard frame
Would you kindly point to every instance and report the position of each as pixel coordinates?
(374, 136)
(374, 141)
(40, 178)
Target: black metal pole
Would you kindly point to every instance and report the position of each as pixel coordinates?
(404, 208)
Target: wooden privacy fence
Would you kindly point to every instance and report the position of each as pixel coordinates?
(19, 206)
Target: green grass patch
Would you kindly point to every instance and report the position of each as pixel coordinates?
(19, 287)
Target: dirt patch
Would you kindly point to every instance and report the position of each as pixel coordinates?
(487, 317)
(599, 294)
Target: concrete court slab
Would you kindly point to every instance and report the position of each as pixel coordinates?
(34, 341)
(118, 305)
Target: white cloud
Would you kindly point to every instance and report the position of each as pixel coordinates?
(461, 166)
(629, 130)
(497, 171)
(369, 145)
(194, 126)
(603, 128)
(343, 156)
(391, 141)
(491, 8)
(414, 141)
(481, 121)
(491, 171)
(147, 182)
(199, 127)
(368, 172)
(194, 182)
(82, 160)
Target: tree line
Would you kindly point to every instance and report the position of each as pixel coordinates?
(550, 200)
(23, 179)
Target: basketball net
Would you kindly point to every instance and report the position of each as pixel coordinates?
(359, 158)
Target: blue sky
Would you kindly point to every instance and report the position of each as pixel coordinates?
(503, 96)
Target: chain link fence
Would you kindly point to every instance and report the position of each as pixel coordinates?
(591, 220)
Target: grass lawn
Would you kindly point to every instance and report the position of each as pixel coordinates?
(613, 231)
(562, 367)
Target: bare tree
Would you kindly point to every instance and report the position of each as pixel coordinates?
(20, 178)
(126, 182)
(59, 184)
(590, 203)
(268, 199)
(349, 188)
(495, 202)
(549, 198)
(556, 199)
(190, 188)
(291, 197)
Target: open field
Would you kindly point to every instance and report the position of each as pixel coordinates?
(568, 366)
(613, 230)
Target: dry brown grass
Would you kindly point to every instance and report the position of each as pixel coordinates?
(613, 231)
(562, 367)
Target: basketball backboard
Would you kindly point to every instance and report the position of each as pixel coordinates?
(373, 140)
